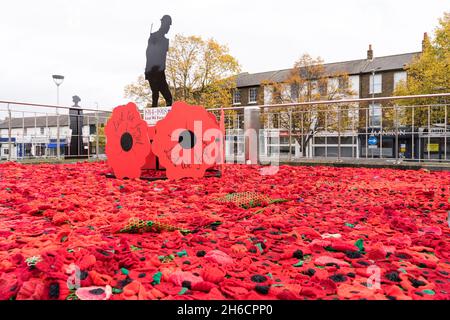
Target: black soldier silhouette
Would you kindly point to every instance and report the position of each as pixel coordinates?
(158, 45)
(76, 100)
(76, 148)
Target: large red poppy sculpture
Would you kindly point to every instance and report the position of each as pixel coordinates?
(128, 144)
(187, 141)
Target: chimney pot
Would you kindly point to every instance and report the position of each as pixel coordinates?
(370, 53)
(425, 41)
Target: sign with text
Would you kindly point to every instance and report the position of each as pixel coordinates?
(153, 115)
(402, 148)
(433, 147)
(39, 140)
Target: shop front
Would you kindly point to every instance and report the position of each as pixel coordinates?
(52, 147)
(405, 143)
(435, 143)
(401, 143)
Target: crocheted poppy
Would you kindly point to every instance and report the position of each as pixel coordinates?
(94, 293)
(127, 144)
(345, 230)
(56, 290)
(219, 257)
(184, 279)
(51, 263)
(187, 141)
(33, 289)
(203, 286)
(136, 291)
(212, 274)
(355, 291)
(9, 285)
(236, 292)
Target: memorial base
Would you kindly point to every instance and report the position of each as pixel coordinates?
(211, 173)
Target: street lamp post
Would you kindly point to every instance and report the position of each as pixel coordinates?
(58, 79)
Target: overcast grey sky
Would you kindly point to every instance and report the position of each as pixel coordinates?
(99, 46)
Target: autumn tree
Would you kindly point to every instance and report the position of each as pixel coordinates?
(101, 136)
(428, 73)
(308, 81)
(198, 71)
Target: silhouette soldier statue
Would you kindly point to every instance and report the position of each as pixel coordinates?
(76, 125)
(158, 45)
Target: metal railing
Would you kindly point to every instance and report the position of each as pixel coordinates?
(40, 131)
(394, 129)
(406, 128)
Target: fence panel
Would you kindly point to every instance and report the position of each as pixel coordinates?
(37, 132)
(412, 128)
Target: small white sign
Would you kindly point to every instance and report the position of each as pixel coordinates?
(153, 115)
(39, 140)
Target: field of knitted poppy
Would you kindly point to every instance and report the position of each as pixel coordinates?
(69, 232)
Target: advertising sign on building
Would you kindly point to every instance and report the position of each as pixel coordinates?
(402, 148)
(433, 147)
(153, 115)
(42, 140)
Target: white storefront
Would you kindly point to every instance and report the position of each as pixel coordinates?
(39, 142)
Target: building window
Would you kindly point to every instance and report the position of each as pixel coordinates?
(268, 95)
(237, 96)
(375, 114)
(375, 84)
(333, 85)
(399, 76)
(253, 95)
(6, 151)
(286, 93)
(343, 83)
(323, 87)
(92, 129)
(354, 85)
(314, 85)
(294, 92)
(42, 130)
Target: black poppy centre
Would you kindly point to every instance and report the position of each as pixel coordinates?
(187, 139)
(126, 142)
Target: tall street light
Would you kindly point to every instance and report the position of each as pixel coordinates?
(58, 79)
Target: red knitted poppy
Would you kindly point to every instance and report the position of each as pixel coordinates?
(346, 234)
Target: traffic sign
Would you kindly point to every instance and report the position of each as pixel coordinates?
(373, 141)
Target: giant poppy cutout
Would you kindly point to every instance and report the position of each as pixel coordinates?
(187, 142)
(128, 144)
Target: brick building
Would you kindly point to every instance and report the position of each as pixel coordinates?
(368, 77)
